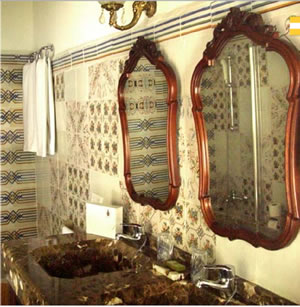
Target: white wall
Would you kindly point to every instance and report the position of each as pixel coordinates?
(28, 25)
(67, 24)
(17, 27)
(278, 271)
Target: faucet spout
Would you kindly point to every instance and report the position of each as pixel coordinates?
(135, 237)
(137, 233)
(219, 284)
(225, 281)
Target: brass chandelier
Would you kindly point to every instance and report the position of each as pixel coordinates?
(138, 7)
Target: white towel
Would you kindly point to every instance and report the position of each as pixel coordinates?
(29, 107)
(41, 106)
(51, 114)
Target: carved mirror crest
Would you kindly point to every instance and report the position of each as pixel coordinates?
(147, 95)
(245, 94)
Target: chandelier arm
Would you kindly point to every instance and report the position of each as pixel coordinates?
(138, 7)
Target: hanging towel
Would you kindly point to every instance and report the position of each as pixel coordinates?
(41, 106)
(29, 106)
(51, 112)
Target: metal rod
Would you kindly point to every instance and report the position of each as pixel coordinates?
(38, 53)
(229, 84)
(49, 47)
(254, 108)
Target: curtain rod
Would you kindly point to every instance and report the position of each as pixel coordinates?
(38, 53)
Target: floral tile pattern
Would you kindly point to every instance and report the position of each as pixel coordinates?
(130, 209)
(77, 133)
(78, 182)
(108, 71)
(103, 136)
(59, 87)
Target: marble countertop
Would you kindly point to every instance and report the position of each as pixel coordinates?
(34, 286)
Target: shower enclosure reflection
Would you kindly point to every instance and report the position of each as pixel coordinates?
(245, 109)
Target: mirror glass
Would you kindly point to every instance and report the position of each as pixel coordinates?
(245, 111)
(145, 95)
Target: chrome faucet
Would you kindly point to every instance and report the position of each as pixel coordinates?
(225, 281)
(138, 233)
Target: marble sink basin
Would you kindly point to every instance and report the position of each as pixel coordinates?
(88, 258)
(134, 283)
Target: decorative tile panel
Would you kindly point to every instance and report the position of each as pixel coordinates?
(108, 71)
(103, 136)
(59, 87)
(11, 76)
(16, 157)
(93, 133)
(78, 182)
(18, 179)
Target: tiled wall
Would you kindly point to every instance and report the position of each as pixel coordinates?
(90, 159)
(18, 185)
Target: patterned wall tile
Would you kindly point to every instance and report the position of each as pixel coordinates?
(11, 118)
(98, 120)
(78, 182)
(18, 177)
(62, 176)
(103, 136)
(24, 215)
(59, 87)
(150, 218)
(77, 133)
(62, 204)
(108, 71)
(20, 233)
(53, 164)
(76, 212)
(131, 211)
(11, 75)
(17, 157)
(179, 234)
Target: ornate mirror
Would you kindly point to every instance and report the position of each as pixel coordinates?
(245, 94)
(147, 96)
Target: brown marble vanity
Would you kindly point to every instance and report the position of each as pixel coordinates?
(65, 270)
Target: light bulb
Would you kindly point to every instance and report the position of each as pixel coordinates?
(102, 17)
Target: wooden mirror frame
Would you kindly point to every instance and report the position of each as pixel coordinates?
(252, 26)
(147, 48)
